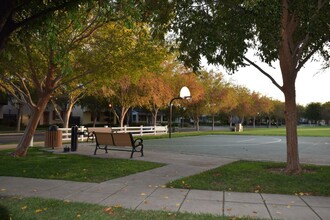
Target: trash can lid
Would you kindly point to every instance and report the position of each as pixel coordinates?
(53, 128)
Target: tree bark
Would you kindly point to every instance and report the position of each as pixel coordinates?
(293, 165)
(289, 75)
(154, 116)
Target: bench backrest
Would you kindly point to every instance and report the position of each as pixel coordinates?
(99, 129)
(103, 138)
(122, 139)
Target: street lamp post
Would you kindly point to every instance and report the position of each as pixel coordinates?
(110, 106)
(184, 94)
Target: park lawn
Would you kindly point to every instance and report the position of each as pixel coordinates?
(263, 177)
(302, 131)
(38, 208)
(273, 131)
(46, 165)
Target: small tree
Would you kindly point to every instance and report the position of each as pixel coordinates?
(313, 112)
(326, 112)
(155, 93)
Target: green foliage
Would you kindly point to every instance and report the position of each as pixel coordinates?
(42, 164)
(313, 112)
(223, 31)
(264, 177)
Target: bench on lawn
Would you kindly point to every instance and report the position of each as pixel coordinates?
(118, 141)
(91, 130)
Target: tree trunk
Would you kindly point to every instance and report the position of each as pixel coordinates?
(197, 123)
(22, 147)
(212, 122)
(122, 116)
(230, 121)
(67, 113)
(254, 121)
(293, 165)
(19, 118)
(289, 75)
(154, 116)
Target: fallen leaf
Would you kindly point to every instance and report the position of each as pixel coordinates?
(24, 207)
(177, 205)
(279, 213)
(165, 197)
(66, 201)
(289, 206)
(78, 215)
(145, 201)
(254, 212)
(38, 210)
(229, 209)
(142, 194)
(2, 190)
(107, 209)
(117, 206)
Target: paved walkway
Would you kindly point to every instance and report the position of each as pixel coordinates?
(146, 191)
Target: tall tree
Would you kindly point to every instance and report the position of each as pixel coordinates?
(128, 54)
(289, 31)
(41, 58)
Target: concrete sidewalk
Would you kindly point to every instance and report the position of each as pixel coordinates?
(146, 190)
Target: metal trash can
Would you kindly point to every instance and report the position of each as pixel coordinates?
(74, 138)
(53, 137)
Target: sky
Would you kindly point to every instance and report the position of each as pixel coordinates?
(312, 84)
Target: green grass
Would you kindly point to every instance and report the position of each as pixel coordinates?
(42, 164)
(265, 177)
(273, 131)
(37, 208)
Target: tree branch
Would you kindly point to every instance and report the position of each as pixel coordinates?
(263, 72)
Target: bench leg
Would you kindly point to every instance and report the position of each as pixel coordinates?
(95, 149)
(142, 152)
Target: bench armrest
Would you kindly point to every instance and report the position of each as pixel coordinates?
(138, 142)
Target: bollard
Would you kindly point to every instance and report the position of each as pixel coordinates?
(74, 138)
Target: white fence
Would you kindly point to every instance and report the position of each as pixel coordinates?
(139, 131)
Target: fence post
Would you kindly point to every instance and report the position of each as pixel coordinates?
(31, 142)
(166, 129)
(82, 133)
(141, 130)
(125, 129)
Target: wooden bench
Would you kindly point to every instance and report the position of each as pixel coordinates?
(91, 130)
(118, 141)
